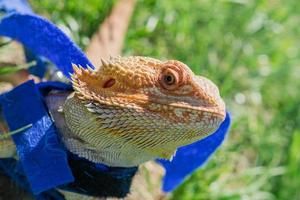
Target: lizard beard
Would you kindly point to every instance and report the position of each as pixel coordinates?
(122, 136)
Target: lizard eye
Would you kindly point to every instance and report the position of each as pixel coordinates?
(169, 79)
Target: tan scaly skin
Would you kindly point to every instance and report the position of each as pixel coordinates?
(134, 109)
(131, 110)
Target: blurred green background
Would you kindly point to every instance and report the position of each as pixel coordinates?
(250, 49)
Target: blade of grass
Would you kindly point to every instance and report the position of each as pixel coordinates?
(13, 69)
(5, 43)
(6, 135)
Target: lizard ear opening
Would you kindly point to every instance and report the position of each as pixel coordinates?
(109, 83)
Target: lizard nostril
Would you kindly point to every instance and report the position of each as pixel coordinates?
(109, 83)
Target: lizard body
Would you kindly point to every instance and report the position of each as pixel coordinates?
(131, 110)
(134, 109)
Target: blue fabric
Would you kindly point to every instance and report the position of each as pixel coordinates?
(39, 69)
(90, 178)
(20, 6)
(13, 169)
(42, 156)
(46, 87)
(45, 39)
(189, 158)
(97, 179)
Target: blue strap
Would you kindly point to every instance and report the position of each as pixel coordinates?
(45, 39)
(14, 170)
(22, 6)
(42, 156)
(39, 69)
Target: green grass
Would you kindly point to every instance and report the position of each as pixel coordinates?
(250, 49)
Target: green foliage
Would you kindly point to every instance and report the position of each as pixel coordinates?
(12, 69)
(250, 49)
(78, 19)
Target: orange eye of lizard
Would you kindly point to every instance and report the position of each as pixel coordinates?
(169, 79)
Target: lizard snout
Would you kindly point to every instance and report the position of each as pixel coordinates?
(211, 96)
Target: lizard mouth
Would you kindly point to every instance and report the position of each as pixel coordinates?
(161, 104)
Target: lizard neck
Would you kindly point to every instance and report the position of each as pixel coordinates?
(81, 136)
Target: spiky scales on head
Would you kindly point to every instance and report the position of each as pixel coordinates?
(139, 108)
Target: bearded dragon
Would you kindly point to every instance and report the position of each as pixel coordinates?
(134, 109)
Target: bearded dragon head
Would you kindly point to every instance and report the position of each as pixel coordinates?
(145, 105)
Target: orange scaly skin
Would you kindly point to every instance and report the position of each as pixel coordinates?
(134, 109)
